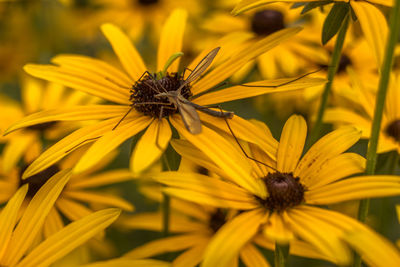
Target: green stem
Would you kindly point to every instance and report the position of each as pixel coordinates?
(166, 202)
(332, 69)
(394, 29)
(281, 255)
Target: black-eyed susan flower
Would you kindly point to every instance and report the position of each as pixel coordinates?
(372, 20)
(285, 60)
(137, 106)
(80, 196)
(279, 189)
(193, 227)
(359, 111)
(17, 246)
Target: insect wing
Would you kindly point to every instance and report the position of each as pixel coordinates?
(201, 67)
(190, 117)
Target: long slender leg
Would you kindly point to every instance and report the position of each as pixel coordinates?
(285, 83)
(241, 148)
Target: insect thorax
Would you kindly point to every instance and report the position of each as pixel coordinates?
(144, 91)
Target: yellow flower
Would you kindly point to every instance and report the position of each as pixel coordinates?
(280, 200)
(17, 247)
(76, 200)
(192, 227)
(131, 92)
(360, 111)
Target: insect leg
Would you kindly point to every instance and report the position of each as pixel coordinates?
(84, 141)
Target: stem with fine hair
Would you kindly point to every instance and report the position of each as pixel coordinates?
(332, 69)
(387, 64)
(281, 255)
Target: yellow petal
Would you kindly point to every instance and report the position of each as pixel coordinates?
(110, 141)
(192, 256)
(69, 238)
(151, 145)
(53, 223)
(68, 144)
(171, 39)
(8, 218)
(291, 143)
(318, 232)
(126, 52)
(91, 84)
(231, 237)
(276, 229)
(343, 116)
(161, 246)
(338, 167)
(102, 179)
(247, 131)
(224, 155)
(330, 145)
(77, 113)
(355, 188)
(92, 66)
(71, 209)
(374, 27)
(261, 87)
(234, 63)
(99, 198)
(244, 5)
(32, 94)
(15, 149)
(251, 256)
(34, 216)
(128, 263)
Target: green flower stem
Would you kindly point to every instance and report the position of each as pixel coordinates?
(332, 69)
(387, 64)
(281, 255)
(166, 208)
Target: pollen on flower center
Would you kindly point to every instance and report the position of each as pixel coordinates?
(147, 2)
(285, 191)
(393, 130)
(38, 180)
(144, 91)
(267, 21)
(217, 220)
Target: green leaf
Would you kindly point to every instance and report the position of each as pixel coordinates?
(297, 5)
(311, 5)
(334, 20)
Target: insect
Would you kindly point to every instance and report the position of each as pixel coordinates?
(186, 108)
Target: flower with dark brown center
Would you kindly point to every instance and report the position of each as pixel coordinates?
(267, 21)
(285, 191)
(144, 91)
(343, 63)
(217, 220)
(147, 2)
(38, 180)
(393, 130)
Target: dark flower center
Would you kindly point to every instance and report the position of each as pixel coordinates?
(147, 2)
(144, 94)
(42, 126)
(217, 220)
(285, 191)
(38, 180)
(393, 130)
(267, 21)
(343, 63)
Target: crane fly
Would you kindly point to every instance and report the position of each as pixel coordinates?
(186, 108)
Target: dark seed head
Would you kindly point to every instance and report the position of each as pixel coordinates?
(285, 191)
(217, 220)
(343, 63)
(393, 130)
(38, 180)
(145, 90)
(147, 2)
(267, 21)
(42, 126)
